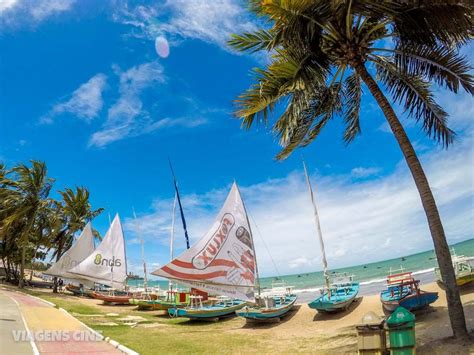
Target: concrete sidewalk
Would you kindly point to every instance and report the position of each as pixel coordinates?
(56, 331)
(11, 321)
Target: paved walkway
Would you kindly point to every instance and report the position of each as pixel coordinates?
(56, 332)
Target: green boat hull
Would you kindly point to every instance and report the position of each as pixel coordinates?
(265, 314)
(219, 310)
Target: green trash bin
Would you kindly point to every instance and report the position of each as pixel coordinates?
(401, 329)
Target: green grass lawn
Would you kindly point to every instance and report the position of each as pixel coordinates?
(157, 333)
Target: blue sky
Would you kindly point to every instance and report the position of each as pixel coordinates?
(84, 89)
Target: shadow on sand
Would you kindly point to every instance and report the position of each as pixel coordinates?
(322, 316)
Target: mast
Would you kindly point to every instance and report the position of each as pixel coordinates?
(172, 236)
(112, 266)
(145, 278)
(318, 228)
(251, 234)
(180, 206)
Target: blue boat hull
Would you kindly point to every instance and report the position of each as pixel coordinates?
(262, 314)
(339, 300)
(411, 302)
(208, 312)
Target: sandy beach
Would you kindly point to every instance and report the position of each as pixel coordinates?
(303, 330)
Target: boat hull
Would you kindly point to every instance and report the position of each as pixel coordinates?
(339, 301)
(113, 299)
(411, 302)
(263, 314)
(207, 312)
(155, 305)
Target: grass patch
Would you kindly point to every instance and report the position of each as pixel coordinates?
(180, 336)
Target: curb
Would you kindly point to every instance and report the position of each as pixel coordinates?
(112, 342)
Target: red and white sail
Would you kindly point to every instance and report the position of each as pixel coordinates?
(223, 261)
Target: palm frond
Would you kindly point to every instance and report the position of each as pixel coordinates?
(432, 22)
(414, 94)
(436, 63)
(353, 96)
(302, 129)
(254, 41)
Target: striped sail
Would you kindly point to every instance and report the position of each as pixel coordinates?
(223, 261)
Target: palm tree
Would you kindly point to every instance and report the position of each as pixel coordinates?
(24, 197)
(72, 214)
(322, 51)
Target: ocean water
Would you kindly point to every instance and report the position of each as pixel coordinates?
(371, 276)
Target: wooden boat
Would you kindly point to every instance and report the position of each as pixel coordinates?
(336, 298)
(173, 299)
(113, 297)
(222, 307)
(463, 269)
(222, 262)
(403, 290)
(339, 294)
(272, 306)
(79, 291)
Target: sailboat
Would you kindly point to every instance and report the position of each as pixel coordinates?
(173, 298)
(83, 247)
(342, 291)
(222, 263)
(107, 265)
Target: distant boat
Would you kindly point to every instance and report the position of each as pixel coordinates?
(338, 294)
(222, 262)
(463, 269)
(131, 276)
(403, 290)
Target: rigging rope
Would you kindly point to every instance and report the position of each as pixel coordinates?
(265, 244)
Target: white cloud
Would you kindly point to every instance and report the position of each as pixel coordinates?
(122, 117)
(361, 172)
(127, 117)
(361, 221)
(209, 21)
(86, 102)
(7, 4)
(16, 12)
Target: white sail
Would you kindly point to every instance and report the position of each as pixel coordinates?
(107, 265)
(83, 247)
(223, 261)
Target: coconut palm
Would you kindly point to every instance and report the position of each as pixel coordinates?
(322, 51)
(72, 214)
(24, 196)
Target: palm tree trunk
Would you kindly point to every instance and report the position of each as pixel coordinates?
(21, 283)
(455, 309)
